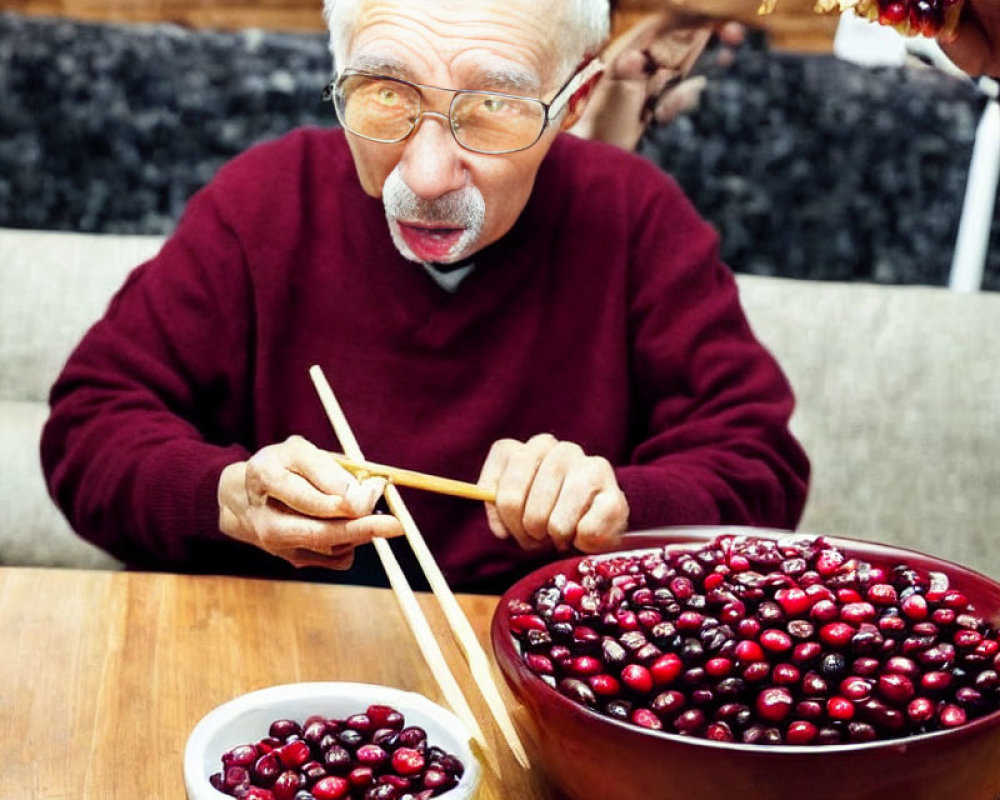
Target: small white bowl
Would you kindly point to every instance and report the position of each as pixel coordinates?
(245, 719)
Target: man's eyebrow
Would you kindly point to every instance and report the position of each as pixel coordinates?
(381, 65)
(512, 81)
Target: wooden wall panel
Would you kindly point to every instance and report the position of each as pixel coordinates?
(793, 26)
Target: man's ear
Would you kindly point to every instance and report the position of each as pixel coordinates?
(578, 102)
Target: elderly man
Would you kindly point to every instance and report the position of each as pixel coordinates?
(489, 298)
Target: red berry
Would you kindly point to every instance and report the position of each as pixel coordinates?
(243, 755)
(775, 641)
(748, 628)
(539, 664)
(287, 785)
(717, 667)
(371, 755)
(646, 719)
(294, 754)
(585, 665)
(785, 674)
(719, 732)
(801, 732)
(385, 717)
(407, 761)
(637, 678)
(840, 708)
(920, 709)
(805, 652)
(738, 563)
(857, 612)
(951, 716)
(572, 594)
(525, 622)
(856, 688)
(793, 600)
(666, 669)
(605, 685)
(713, 581)
(914, 607)
(836, 634)
(774, 704)
(331, 788)
(360, 776)
(748, 651)
(824, 611)
(283, 728)
(267, 768)
(896, 688)
(757, 672)
(882, 594)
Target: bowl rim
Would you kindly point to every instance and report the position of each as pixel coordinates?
(410, 703)
(507, 655)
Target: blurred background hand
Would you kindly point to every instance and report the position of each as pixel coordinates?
(648, 76)
(976, 48)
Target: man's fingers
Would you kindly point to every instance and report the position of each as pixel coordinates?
(287, 531)
(682, 98)
(308, 480)
(601, 527)
(549, 489)
(515, 483)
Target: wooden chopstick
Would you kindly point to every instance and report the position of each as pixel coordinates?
(461, 628)
(411, 608)
(417, 480)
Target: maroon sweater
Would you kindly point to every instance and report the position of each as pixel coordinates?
(603, 317)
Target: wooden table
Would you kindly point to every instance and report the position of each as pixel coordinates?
(104, 674)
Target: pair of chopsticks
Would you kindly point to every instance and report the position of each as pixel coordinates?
(473, 651)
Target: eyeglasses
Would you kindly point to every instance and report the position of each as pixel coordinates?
(388, 110)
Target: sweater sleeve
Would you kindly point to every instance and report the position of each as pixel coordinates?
(145, 413)
(713, 442)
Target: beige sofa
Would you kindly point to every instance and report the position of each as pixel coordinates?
(899, 397)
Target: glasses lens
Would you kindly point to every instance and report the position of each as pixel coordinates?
(377, 108)
(492, 123)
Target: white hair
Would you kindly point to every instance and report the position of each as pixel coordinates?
(584, 27)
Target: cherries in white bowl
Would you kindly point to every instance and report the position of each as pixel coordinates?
(330, 741)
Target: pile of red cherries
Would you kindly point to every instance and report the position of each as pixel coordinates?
(372, 755)
(762, 641)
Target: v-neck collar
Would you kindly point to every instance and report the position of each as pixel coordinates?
(412, 299)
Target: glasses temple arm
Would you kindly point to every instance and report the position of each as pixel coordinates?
(594, 67)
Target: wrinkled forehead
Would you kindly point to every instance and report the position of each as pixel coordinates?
(468, 44)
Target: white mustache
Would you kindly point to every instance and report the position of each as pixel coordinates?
(462, 208)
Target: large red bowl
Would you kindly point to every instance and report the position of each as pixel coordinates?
(589, 756)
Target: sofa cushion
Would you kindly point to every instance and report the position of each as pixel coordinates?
(898, 407)
(56, 285)
(32, 531)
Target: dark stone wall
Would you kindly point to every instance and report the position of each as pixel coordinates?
(810, 167)
(818, 168)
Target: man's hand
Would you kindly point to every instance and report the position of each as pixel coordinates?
(547, 489)
(976, 47)
(294, 501)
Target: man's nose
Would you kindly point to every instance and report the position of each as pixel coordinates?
(432, 163)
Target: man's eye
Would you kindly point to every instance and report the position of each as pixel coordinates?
(493, 104)
(388, 97)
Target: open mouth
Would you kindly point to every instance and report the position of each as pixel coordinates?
(430, 243)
